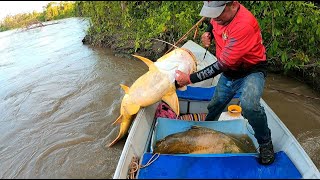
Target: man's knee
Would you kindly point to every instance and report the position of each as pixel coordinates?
(250, 107)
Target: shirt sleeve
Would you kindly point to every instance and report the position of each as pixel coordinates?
(239, 42)
(206, 73)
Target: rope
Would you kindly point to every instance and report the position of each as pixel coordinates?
(150, 160)
(134, 166)
(195, 33)
(194, 26)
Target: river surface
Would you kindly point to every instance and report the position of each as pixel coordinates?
(59, 98)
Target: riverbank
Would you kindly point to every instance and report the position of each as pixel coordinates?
(157, 49)
(308, 75)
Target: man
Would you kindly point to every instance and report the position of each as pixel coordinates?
(241, 58)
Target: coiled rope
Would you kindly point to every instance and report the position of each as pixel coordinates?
(134, 165)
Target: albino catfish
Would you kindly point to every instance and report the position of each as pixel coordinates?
(155, 85)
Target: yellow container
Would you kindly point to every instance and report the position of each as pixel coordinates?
(234, 110)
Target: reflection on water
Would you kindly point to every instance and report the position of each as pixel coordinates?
(59, 99)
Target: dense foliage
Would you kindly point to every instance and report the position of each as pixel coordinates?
(291, 29)
(139, 20)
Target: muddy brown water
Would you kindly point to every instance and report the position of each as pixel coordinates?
(58, 99)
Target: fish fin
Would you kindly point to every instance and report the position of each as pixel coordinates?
(125, 88)
(118, 121)
(132, 108)
(172, 100)
(196, 127)
(147, 61)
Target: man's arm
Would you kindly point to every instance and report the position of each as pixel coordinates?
(183, 79)
(208, 72)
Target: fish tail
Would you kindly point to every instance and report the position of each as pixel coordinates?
(124, 127)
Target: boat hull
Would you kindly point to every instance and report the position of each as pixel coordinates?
(140, 139)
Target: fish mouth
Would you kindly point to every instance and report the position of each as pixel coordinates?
(194, 68)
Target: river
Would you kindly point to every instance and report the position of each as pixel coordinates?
(59, 99)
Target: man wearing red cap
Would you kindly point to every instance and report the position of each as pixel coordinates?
(241, 60)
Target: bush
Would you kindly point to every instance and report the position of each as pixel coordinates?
(290, 29)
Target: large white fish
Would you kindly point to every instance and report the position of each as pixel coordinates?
(155, 85)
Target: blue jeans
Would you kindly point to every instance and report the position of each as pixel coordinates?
(251, 89)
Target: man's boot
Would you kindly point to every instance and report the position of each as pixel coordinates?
(266, 155)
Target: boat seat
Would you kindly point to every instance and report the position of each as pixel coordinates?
(217, 166)
(199, 93)
(193, 116)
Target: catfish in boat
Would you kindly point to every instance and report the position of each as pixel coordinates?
(202, 140)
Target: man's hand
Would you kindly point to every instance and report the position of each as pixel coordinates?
(182, 78)
(206, 39)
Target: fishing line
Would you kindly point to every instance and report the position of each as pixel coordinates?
(165, 42)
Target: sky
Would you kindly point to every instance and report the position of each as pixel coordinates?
(16, 7)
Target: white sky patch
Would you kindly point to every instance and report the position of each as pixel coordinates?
(16, 7)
